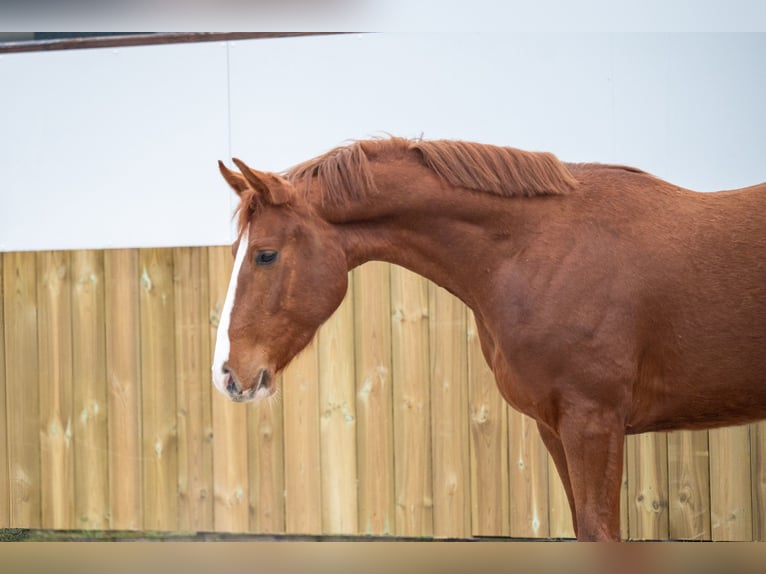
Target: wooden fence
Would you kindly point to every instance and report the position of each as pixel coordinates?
(389, 423)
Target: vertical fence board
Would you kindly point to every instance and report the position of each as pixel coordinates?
(689, 485)
(158, 390)
(337, 409)
(5, 487)
(527, 478)
(648, 486)
(449, 415)
(195, 425)
(412, 408)
(123, 373)
(22, 391)
(758, 479)
(230, 440)
(624, 503)
(267, 465)
(90, 402)
(303, 479)
(490, 512)
(559, 512)
(730, 486)
(375, 431)
(54, 318)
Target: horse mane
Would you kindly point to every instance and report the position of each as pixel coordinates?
(344, 173)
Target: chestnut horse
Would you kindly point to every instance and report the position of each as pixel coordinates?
(608, 302)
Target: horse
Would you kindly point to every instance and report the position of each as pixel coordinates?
(608, 302)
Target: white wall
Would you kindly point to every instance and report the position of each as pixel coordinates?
(111, 148)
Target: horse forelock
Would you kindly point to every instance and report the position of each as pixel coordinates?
(245, 209)
(343, 174)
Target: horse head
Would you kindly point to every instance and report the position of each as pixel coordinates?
(290, 274)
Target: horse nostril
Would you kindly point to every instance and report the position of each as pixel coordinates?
(232, 387)
(232, 384)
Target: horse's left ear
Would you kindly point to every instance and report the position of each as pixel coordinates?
(271, 188)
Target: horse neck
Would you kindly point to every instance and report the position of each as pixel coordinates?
(416, 220)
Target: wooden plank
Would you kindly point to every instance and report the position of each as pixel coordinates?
(559, 512)
(490, 512)
(624, 503)
(123, 374)
(5, 486)
(758, 479)
(730, 486)
(193, 389)
(337, 408)
(412, 407)
(158, 392)
(374, 392)
(449, 414)
(303, 489)
(527, 478)
(689, 485)
(22, 391)
(54, 308)
(648, 486)
(267, 465)
(230, 441)
(248, 465)
(90, 401)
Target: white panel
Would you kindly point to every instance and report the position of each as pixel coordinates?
(640, 79)
(686, 107)
(114, 147)
(110, 148)
(716, 119)
(293, 99)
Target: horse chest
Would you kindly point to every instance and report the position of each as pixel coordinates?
(523, 392)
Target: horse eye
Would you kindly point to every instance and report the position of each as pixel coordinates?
(266, 257)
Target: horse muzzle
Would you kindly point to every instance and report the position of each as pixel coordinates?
(263, 386)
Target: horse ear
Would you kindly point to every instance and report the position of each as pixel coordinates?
(271, 188)
(237, 182)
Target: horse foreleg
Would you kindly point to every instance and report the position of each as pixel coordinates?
(593, 448)
(556, 450)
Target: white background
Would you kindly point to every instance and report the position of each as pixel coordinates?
(118, 147)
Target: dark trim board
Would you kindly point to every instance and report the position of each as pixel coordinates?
(143, 39)
(44, 535)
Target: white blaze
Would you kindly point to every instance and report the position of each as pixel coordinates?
(221, 354)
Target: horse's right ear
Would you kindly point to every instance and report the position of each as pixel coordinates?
(237, 181)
